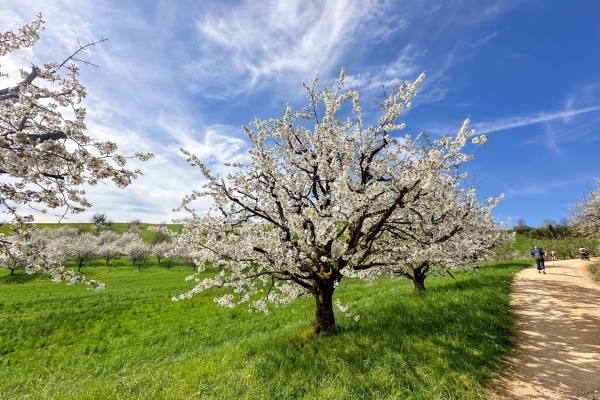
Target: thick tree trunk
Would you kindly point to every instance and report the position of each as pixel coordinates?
(419, 279)
(324, 317)
(12, 271)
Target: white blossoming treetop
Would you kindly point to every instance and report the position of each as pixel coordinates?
(323, 197)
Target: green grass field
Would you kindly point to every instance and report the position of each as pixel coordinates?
(131, 341)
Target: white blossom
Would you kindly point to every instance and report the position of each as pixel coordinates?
(325, 197)
(137, 251)
(585, 215)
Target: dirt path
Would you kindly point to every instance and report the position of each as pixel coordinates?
(558, 352)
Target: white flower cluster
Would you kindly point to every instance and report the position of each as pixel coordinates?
(338, 199)
(585, 215)
(345, 309)
(479, 140)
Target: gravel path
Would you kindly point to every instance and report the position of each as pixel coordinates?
(558, 351)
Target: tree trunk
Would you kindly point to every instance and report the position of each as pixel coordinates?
(419, 279)
(324, 317)
(12, 271)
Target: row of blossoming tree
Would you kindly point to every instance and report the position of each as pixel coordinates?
(48, 248)
(324, 196)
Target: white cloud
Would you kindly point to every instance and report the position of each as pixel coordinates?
(539, 189)
(245, 46)
(515, 122)
(403, 68)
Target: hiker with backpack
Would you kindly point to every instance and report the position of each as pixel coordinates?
(538, 256)
(584, 253)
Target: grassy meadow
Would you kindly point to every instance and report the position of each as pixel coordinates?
(132, 342)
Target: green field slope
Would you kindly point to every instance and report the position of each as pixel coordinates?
(132, 342)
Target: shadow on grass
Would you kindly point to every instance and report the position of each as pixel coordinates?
(458, 332)
(18, 278)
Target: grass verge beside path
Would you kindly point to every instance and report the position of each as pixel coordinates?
(595, 271)
(131, 341)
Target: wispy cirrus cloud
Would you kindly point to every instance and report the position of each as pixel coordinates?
(243, 46)
(540, 189)
(531, 119)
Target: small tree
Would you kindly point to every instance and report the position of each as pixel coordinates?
(134, 225)
(128, 237)
(184, 256)
(138, 251)
(160, 237)
(108, 251)
(18, 260)
(316, 201)
(81, 248)
(522, 226)
(160, 250)
(450, 232)
(108, 237)
(98, 219)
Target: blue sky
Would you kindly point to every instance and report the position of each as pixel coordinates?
(189, 74)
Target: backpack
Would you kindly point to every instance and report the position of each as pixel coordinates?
(538, 255)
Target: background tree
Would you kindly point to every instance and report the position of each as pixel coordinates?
(161, 235)
(127, 238)
(18, 261)
(108, 237)
(98, 219)
(81, 248)
(585, 215)
(314, 204)
(108, 251)
(522, 226)
(138, 252)
(454, 231)
(134, 226)
(159, 251)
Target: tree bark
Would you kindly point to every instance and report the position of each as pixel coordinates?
(419, 279)
(324, 317)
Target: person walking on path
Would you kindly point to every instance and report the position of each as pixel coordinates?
(584, 253)
(538, 256)
(552, 255)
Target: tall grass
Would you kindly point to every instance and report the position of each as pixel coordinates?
(595, 271)
(131, 341)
